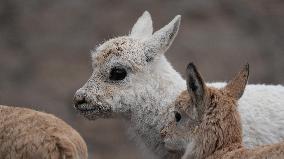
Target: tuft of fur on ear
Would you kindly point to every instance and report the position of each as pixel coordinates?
(195, 87)
(143, 27)
(237, 85)
(162, 39)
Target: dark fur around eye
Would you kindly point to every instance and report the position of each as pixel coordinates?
(177, 116)
(117, 74)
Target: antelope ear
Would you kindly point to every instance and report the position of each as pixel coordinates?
(195, 83)
(196, 89)
(143, 27)
(237, 85)
(162, 39)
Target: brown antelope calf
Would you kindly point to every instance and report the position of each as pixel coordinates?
(207, 124)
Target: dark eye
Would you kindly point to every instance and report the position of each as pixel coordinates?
(117, 74)
(177, 116)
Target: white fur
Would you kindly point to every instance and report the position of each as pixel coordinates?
(143, 27)
(145, 96)
(262, 114)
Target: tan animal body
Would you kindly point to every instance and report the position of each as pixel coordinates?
(207, 124)
(29, 134)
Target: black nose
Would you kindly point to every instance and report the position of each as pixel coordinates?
(79, 98)
(80, 101)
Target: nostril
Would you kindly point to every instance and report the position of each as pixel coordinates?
(163, 133)
(81, 101)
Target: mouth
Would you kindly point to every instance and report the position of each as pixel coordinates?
(84, 107)
(170, 149)
(170, 146)
(93, 112)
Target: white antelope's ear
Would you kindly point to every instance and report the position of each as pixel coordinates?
(238, 84)
(143, 27)
(162, 39)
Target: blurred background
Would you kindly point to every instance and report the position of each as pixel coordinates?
(45, 51)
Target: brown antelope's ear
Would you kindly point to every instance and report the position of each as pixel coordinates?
(195, 83)
(237, 85)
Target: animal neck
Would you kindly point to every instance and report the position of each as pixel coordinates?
(153, 110)
(221, 153)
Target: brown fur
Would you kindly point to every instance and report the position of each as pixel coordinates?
(29, 134)
(214, 130)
